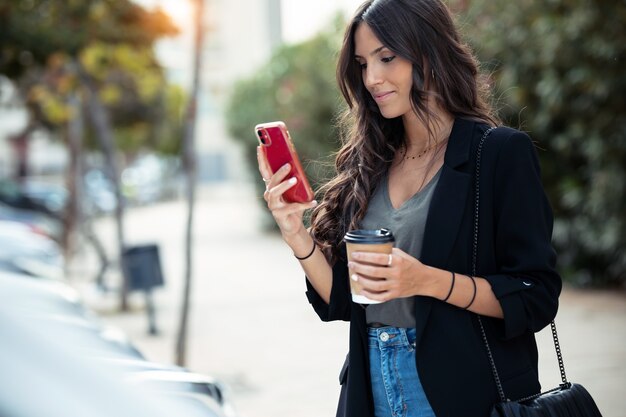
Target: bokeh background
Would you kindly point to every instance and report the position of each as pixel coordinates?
(128, 174)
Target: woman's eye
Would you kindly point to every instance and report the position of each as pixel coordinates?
(362, 65)
(388, 59)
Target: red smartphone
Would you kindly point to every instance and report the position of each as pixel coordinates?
(278, 148)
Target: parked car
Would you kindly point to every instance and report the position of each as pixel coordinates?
(175, 381)
(41, 377)
(56, 308)
(99, 191)
(128, 365)
(51, 196)
(23, 295)
(38, 222)
(24, 249)
(196, 387)
(49, 337)
(96, 195)
(151, 178)
(32, 195)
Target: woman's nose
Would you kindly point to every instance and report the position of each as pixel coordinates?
(372, 76)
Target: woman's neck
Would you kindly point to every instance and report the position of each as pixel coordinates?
(416, 131)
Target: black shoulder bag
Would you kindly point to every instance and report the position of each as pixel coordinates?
(566, 400)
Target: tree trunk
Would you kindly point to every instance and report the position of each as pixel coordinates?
(189, 162)
(92, 238)
(104, 132)
(73, 212)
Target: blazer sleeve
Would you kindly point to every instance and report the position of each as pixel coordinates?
(340, 298)
(526, 283)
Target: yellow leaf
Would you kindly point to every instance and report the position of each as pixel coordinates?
(110, 94)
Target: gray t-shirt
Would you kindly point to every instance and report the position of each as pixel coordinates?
(407, 224)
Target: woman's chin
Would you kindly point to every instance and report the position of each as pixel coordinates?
(388, 114)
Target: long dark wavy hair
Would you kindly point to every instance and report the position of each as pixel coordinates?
(422, 32)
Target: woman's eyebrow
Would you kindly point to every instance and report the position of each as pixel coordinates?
(374, 52)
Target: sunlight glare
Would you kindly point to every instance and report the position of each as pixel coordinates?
(179, 11)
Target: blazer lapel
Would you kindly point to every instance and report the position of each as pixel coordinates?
(446, 209)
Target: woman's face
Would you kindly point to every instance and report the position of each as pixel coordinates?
(387, 77)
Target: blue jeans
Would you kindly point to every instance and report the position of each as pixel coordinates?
(396, 386)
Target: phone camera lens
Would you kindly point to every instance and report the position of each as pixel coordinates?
(261, 135)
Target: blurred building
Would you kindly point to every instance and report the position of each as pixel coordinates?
(240, 36)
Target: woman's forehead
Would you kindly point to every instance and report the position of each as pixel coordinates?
(366, 43)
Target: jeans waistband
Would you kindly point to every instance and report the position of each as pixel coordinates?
(391, 336)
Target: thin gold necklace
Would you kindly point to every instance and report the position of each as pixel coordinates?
(404, 150)
(419, 155)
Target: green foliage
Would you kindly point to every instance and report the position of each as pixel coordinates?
(298, 87)
(43, 42)
(33, 30)
(133, 88)
(559, 70)
(167, 137)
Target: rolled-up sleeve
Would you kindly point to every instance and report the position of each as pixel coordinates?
(340, 300)
(526, 284)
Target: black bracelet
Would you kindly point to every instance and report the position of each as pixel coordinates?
(451, 288)
(474, 295)
(309, 255)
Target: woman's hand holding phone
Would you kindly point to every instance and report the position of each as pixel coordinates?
(288, 215)
(288, 194)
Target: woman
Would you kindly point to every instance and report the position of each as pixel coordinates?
(418, 111)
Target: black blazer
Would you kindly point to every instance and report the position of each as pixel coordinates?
(514, 254)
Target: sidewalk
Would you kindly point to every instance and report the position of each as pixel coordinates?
(252, 327)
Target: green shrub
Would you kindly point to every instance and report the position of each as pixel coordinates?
(559, 70)
(298, 87)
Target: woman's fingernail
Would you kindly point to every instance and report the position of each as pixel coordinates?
(350, 264)
(285, 167)
(314, 203)
(354, 277)
(293, 180)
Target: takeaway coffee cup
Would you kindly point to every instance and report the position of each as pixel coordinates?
(378, 240)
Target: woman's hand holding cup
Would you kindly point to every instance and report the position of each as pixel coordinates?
(382, 277)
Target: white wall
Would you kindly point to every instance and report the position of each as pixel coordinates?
(238, 42)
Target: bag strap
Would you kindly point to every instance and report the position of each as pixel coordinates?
(555, 337)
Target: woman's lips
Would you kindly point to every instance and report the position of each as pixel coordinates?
(382, 96)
